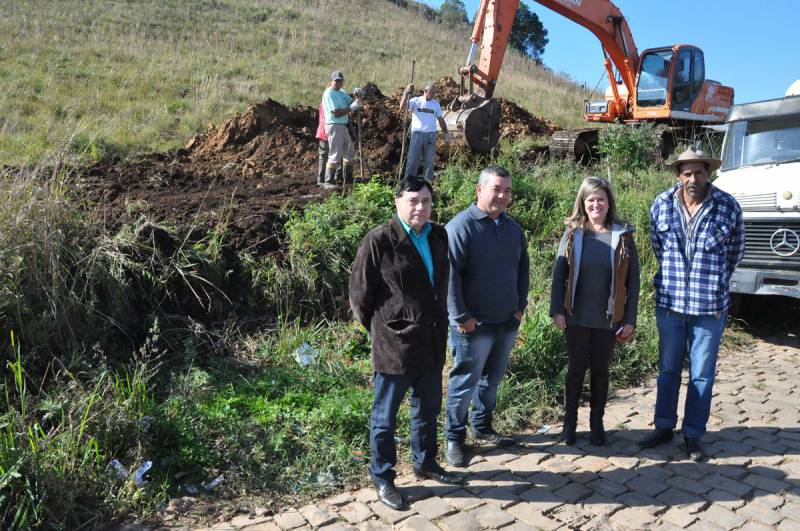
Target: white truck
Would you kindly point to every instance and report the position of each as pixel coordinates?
(761, 168)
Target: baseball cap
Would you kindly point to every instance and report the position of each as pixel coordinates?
(336, 75)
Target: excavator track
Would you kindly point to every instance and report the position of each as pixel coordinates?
(575, 144)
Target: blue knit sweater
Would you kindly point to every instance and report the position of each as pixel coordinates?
(489, 267)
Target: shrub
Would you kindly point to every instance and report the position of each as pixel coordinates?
(629, 148)
(323, 239)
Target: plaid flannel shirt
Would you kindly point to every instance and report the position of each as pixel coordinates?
(699, 286)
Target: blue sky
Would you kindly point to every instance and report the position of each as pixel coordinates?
(751, 46)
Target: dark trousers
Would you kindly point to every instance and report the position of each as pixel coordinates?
(587, 348)
(426, 403)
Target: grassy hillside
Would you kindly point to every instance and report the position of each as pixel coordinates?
(116, 78)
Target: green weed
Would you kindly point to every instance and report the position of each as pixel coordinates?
(629, 148)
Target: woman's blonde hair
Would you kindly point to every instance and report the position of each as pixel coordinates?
(579, 219)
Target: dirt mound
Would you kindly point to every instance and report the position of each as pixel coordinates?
(259, 163)
(517, 123)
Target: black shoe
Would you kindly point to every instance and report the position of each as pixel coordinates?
(456, 454)
(437, 473)
(492, 437)
(694, 450)
(568, 432)
(657, 438)
(389, 495)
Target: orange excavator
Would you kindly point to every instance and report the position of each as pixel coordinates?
(665, 86)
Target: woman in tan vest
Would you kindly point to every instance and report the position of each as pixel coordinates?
(594, 298)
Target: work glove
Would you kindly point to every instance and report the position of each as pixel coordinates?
(355, 106)
(410, 88)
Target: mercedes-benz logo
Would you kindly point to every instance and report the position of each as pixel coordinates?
(784, 242)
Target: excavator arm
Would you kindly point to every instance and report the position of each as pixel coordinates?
(606, 22)
(492, 30)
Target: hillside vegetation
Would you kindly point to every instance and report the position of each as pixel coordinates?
(114, 78)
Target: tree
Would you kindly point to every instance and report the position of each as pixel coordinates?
(528, 35)
(453, 13)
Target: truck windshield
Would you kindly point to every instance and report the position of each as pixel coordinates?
(654, 79)
(761, 142)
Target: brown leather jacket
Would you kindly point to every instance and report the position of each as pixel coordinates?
(619, 296)
(392, 296)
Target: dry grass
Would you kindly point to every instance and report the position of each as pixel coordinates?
(115, 78)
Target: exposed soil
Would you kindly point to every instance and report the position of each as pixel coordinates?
(258, 164)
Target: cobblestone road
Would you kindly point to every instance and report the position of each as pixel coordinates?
(751, 481)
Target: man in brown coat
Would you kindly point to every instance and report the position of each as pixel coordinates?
(398, 291)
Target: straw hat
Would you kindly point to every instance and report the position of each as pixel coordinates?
(695, 155)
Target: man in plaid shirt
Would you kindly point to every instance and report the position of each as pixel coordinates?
(697, 233)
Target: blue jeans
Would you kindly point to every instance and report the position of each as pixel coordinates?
(421, 148)
(426, 403)
(697, 336)
(480, 360)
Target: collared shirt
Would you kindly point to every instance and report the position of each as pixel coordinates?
(333, 99)
(420, 241)
(423, 114)
(695, 265)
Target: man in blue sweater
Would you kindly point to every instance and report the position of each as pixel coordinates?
(487, 295)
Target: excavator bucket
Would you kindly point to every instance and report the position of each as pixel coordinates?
(474, 122)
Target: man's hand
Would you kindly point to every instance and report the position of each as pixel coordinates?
(410, 88)
(448, 137)
(560, 321)
(467, 327)
(518, 313)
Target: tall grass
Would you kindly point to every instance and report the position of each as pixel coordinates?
(80, 341)
(55, 446)
(106, 79)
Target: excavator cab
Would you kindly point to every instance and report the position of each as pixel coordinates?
(652, 87)
(669, 84)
